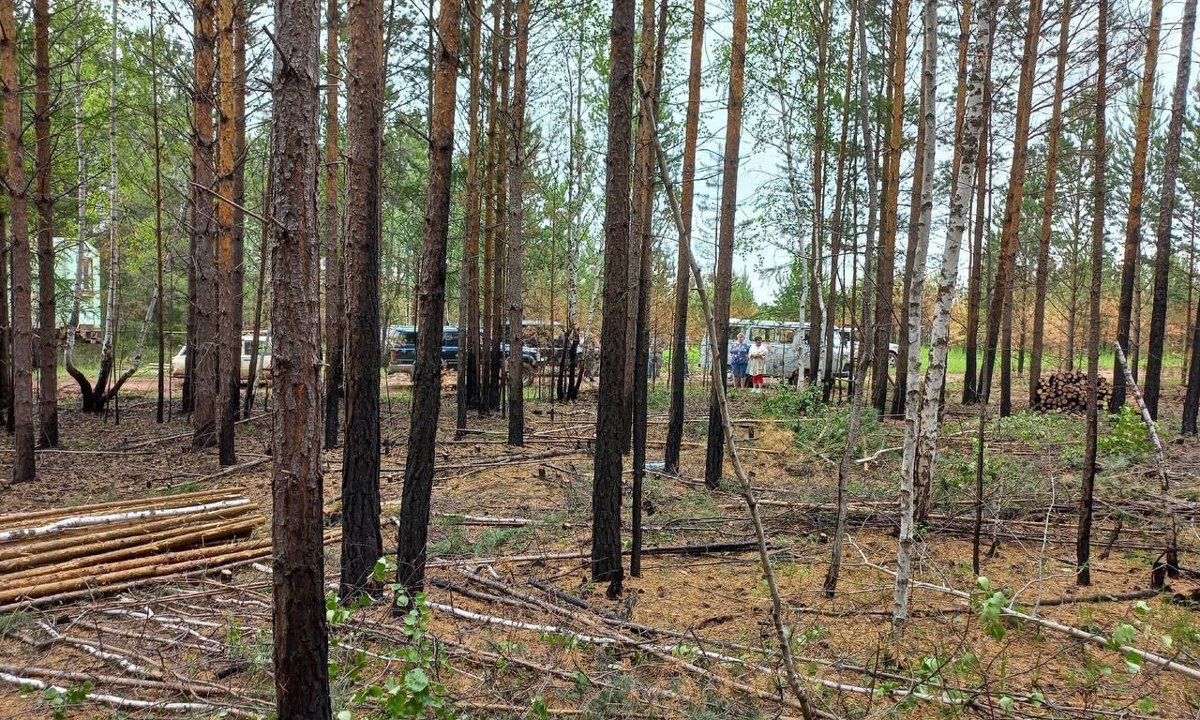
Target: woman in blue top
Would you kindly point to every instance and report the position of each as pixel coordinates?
(739, 358)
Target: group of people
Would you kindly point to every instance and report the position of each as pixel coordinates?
(748, 362)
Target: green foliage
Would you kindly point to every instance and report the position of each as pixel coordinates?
(829, 433)
(414, 692)
(1126, 436)
(788, 402)
(991, 605)
(60, 701)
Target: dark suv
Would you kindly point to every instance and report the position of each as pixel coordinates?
(402, 354)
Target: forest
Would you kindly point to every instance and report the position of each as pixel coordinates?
(734, 359)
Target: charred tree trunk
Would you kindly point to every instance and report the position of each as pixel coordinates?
(427, 374)
(468, 361)
(516, 229)
(362, 540)
(1151, 387)
(606, 486)
(488, 359)
(335, 311)
(44, 201)
(300, 641)
(687, 190)
(22, 312)
(714, 460)
(1083, 540)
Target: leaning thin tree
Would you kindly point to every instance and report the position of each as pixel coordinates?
(427, 374)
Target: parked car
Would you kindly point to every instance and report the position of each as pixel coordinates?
(262, 365)
(402, 352)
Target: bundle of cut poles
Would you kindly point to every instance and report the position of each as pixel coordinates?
(65, 554)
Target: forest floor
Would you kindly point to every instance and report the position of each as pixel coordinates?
(692, 636)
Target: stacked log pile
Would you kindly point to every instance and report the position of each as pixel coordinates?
(1067, 392)
(68, 553)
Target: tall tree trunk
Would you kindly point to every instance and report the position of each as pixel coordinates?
(159, 288)
(1006, 352)
(606, 485)
(500, 251)
(1083, 550)
(850, 451)
(489, 358)
(5, 340)
(1043, 266)
(912, 273)
(300, 641)
(1009, 235)
(335, 311)
(722, 284)
(468, 361)
(264, 245)
(885, 282)
(970, 138)
(816, 310)
(239, 200)
(641, 370)
(1137, 189)
(427, 373)
(912, 413)
(204, 338)
(687, 190)
(44, 200)
(229, 355)
(839, 199)
(1151, 387)
(980, 227)
(22, 312)
(362, 541)
(516, 229)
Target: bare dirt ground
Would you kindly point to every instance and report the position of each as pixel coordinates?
(691, 637)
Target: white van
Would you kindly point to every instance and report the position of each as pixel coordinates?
(788, 347)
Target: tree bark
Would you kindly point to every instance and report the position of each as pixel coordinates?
(300, 639)
(427, 374)
(516, 229)
(970, 138)
(912, 413)
(362, 541)
(816, 310)
(490, 342)
(679, 347)
(606, 485)
(885, 282)
(44, 201)
(203, 337)
(468, 361)
(22, 312)
(723, 283)
(1009, 236)
(159, 288)
(1043, 266)
(1083, 570)
(335, 310)
(1137, 189)
(229, 356)
(1152, 385)
(979, 227)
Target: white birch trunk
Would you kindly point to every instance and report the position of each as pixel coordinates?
(912, 413)
(939, 340)
(106, 350)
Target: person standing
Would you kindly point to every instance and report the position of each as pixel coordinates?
(757, 366)
(739, 358)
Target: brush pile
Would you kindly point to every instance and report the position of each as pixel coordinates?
(1067, 392)
(69, 553)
